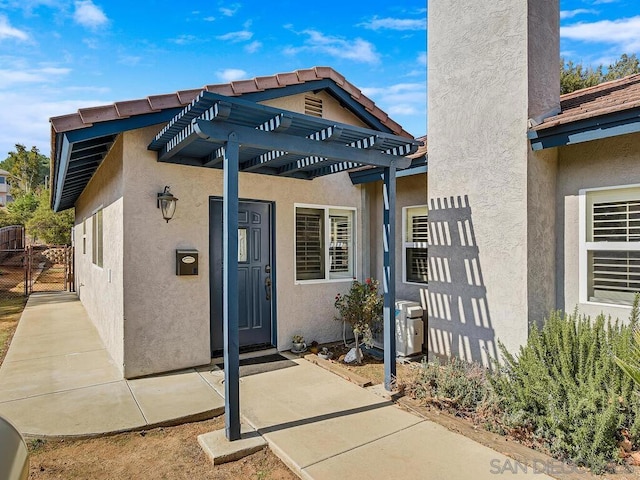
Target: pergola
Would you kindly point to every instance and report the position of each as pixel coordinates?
(236, 135)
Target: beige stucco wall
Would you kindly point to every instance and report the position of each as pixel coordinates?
(486, 63)
(601, 163)
(166, 316)
(411, 191)
(100, 289)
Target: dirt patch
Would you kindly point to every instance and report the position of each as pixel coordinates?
(372, 366)
(51, 279)
(171, 452)
(10, 311)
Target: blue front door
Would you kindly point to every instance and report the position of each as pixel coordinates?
(254, 274)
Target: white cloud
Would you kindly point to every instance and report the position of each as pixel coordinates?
(12, 77)
(209, 19)
(422, 58)
(400, 100)
(184, 39)
(241, 36)
(253, 47)
(230, 10)
(358, 50)
(564, 14)
(623, 33)
(89, 14)
(396, 24)
(129, 60)
(231, 74)
(31, 127)
(7, 31)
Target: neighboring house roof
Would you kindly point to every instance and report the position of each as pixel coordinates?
(81, 140)
(4, 172)
(605, 110)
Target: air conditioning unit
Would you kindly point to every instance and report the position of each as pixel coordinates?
(409, 329)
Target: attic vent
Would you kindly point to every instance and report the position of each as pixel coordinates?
(313, 106)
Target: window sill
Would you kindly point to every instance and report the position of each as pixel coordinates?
(316, 282)
(603, 304)
(423, 285)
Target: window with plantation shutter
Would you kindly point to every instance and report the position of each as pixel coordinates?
(612, 245)
(97, 238)
(309, 244)
(340, 248)
(415, 238)
(324, 243)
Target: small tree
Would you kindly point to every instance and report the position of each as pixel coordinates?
(49, 226)
(28, 169)
(361, 308)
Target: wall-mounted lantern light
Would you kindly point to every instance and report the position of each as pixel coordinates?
(167, 203)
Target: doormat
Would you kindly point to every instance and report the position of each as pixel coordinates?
(267, 363)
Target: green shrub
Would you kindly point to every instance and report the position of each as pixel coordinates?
(565, 388)
(455, 385)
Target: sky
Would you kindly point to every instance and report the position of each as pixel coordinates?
(60, 55)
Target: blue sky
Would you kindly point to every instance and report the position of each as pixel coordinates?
(60, 55)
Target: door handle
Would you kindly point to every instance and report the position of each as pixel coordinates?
(267, 288)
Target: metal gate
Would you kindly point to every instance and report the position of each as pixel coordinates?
(25, 269)
(48, 268)
(12, 262)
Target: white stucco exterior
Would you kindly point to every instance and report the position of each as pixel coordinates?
(611, 162)
(152, 320)
(492, 67)
(101, 288)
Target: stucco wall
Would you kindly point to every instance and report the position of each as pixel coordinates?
(484, 63)
(601, 163)
(166, 316)
(411, 191)
(100, 288)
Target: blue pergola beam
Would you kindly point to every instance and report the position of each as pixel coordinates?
(389, 274)
(230, 290)
(252, 138)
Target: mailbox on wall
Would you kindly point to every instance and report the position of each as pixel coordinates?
(186, 262)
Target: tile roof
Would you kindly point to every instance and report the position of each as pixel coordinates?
(86, 117)
(422, 149)
(605, 98)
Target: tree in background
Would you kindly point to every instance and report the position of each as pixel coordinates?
(28, 169)
(576, 76)
(30, 207)
(49, 226)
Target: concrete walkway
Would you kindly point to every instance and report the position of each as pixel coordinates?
(57, 379)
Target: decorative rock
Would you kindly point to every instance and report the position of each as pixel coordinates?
(351, 356)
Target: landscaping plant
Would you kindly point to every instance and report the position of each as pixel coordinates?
(361, 308)
(565, 389)
(455, 385)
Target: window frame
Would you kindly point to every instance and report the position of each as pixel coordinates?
(329, 276)
(406, 244)
(97, 238)
(586, 246)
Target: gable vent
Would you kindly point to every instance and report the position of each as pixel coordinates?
(313, 106)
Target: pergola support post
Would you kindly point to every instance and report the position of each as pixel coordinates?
(389, 274)
(230, 293)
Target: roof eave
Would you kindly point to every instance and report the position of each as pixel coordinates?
(585, 130)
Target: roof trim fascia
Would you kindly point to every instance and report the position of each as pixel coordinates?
(418, 166)
(595, 128)
(66, 140)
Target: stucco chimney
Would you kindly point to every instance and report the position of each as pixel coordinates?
(493, 66)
